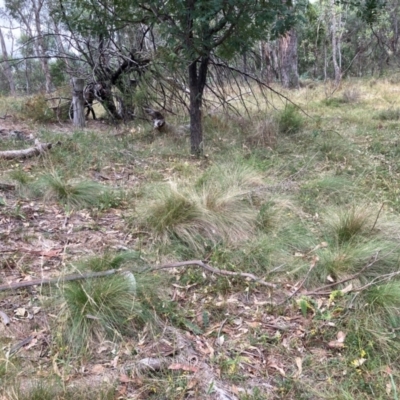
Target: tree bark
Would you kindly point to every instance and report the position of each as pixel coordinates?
(41, 48)
(335, 47)
(78, 103)
(288, 60)
(7, 67)
(197, 82)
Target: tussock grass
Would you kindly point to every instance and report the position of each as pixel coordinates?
(110, 306)
(347, 222)
(390, 114)
(215, 209)
(74, 194)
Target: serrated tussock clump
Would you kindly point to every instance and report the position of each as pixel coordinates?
(215, 209)
(75, 194)
(109, 306)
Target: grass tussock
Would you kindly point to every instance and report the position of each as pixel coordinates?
(106, 307)
(346, 223)
(72, 193)
(215, 209)
(390, 114)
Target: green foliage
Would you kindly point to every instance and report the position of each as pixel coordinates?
(57, 72)
(290, 120)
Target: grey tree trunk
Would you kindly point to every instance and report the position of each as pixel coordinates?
(335, 46)
(7, 67)
(41, 48)
(78, 102)
(289, 60)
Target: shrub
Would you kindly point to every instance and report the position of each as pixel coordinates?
(37, 109)
(290, 121)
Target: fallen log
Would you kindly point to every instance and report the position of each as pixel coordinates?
(38, 149)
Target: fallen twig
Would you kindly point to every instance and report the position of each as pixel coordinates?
(68, 278)
(217, 271)
(319, 291)
(74, 277)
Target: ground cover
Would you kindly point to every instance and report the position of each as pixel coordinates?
(304, 199)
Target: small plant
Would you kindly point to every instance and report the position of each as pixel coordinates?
(290, 121)
(107, 306)
(348, 222)
(73, 194)
(351, 95)
(20, 176)
(37, 109)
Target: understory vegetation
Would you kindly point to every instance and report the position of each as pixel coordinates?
(268, 269)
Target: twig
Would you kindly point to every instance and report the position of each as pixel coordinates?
(217, 271)
(43, 281)
(376, 219)
(74, 277)
(319, 290)
(301, 284)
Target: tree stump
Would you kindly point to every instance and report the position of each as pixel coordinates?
(78, 102)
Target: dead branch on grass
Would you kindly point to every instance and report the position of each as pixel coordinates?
(38, 149)
(74, 277)
(319, 291)
(54, 281)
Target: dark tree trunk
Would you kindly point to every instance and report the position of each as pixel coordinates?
(197, 82)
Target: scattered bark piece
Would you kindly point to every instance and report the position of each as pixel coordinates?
(4, 318)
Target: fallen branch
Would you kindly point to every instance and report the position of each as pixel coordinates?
(38, 149)
(217, 271)
(319, 291)
(74, 277)
(53, 281)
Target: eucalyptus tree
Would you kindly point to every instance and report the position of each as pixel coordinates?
(31, 15)
(191, 33)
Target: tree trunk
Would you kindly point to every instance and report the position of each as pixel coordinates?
(78, 103)
(7, 67)
(335, 48)
(288, 60)
(197, 82)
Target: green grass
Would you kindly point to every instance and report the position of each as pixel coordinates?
(309, 204)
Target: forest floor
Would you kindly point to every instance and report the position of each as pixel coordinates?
(305, 200)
